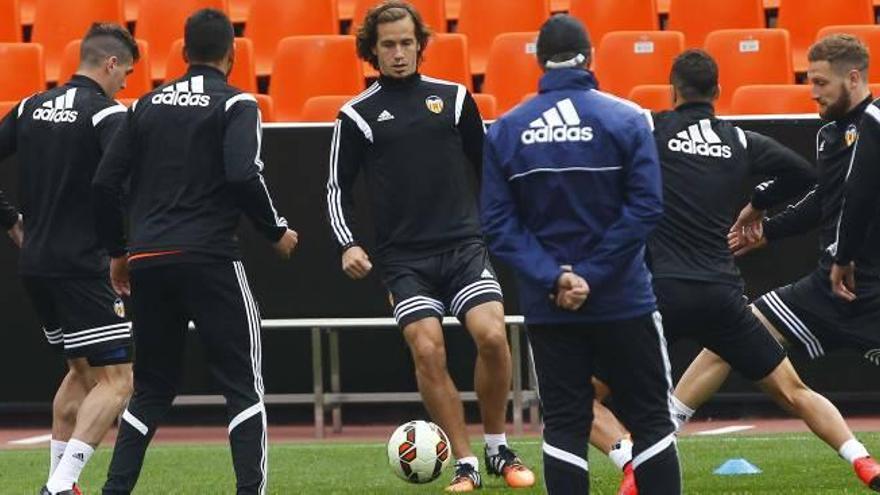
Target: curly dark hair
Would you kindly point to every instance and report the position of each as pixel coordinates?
(389, 11)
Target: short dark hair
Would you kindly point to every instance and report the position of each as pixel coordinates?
(390, 11)
(207, 36)
(843, 51)
(106, 39)
(694, 75)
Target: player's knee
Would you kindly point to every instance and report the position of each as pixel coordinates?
(493, 342)
(429, 356)
(64, 410)
(118, 379)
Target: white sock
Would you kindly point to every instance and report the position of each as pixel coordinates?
(493, 441)
(681, 413)
(621, 453)
(472, 460)
(853, 449)
(56, 450)
(75, 457)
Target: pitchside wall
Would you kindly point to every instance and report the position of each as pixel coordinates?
(312, 285)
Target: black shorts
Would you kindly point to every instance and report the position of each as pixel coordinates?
(454, 281)
(82, 316)
(717, 317)
(812, 318)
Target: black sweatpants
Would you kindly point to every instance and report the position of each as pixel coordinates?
(633, 354)
(217, 298)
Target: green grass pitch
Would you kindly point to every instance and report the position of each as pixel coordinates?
(792, 464)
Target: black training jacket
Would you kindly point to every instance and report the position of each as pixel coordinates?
(419, 142)
(821, 206)
(705, 163)
(858, 236)
(59, 137)
(190, 151)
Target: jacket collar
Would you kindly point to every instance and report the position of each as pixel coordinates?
(207, 71)
(556, 79)
(855, 114)
(697, 109)
(81, 81)
(399, 83)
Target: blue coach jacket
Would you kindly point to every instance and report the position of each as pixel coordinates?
(571, 177)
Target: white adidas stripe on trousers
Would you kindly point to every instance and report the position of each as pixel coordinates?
(664, 443)
(256, 354)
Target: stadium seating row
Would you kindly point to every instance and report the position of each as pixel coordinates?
(623, 60)
(158, 22)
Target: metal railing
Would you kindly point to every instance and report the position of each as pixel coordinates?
(522, 398)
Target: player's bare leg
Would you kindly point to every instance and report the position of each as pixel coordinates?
(75, 386)
(611, 437)
(492, 371)
(95, 416)
(441, 399)
(492, 375)
(702, 379)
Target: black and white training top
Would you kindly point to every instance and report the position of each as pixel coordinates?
(190, 152)
(419, 142)
(59, 137)
(706, 163)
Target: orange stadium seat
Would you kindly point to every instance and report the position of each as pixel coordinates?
(130, 8)
(242, 77)
(160, 22)
(270, 21)
(482, 20)
(870, 36)
(323, 108)
(307, 66)
(55, 26)
(603, 16)
(697, 18)
(27, 11)
(487, 105)
(346, 9)
(560, 5)
(749, 56)
(239, 10)
(447, 58)
(6, 107)
(662, 6)
(771, 4)
(654, 97)
(875, 89)
(433, 13)
(629, 58)
(10, 21)
(267, 108)
(137, 84)
(29, 75)
(804, 18)
(512, 70)
(453, 8)
(772, 99)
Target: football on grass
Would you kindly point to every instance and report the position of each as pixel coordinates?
(418, 451)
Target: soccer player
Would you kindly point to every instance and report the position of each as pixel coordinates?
(571, 190)
(189, 153)
(59, 137)
(805, 314)
(419, 141)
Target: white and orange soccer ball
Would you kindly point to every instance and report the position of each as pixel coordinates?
(418, 451)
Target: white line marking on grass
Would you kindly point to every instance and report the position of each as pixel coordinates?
(725, 430)
(32, 440)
